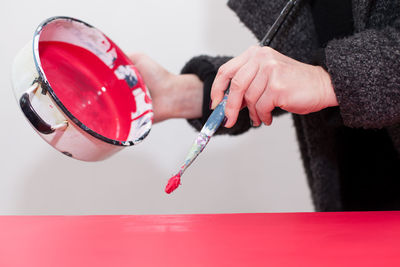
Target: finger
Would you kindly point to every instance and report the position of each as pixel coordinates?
(254, 93)
(224, 75)
(264, 107)
(143, 63)
(239, 84)
(243, 105)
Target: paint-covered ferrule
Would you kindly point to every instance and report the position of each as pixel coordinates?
(203, 140)
(209, 128)
(198, 146)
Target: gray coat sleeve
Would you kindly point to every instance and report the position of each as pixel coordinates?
(365, 72)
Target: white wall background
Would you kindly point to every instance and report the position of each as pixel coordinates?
(260, 171)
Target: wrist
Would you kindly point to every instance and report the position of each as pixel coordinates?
(187, 92)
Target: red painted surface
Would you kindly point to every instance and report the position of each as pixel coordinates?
(300, 239)
(173, 183)
(89, 89)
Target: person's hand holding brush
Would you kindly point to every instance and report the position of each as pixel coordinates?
(262, 79)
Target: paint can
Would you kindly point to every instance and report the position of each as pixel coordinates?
(79, 91)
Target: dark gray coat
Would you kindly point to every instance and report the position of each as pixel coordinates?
(351, 153)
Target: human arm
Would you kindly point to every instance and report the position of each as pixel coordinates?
(173, 96)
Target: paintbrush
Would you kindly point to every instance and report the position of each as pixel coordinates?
(214, 121)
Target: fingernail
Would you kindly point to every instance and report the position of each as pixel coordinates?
(253, 125)
(210, 105)
(213, 106)
(224, 121)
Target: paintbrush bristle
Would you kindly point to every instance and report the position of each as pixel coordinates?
(173, 183)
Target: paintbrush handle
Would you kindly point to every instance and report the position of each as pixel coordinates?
(217, 116)
(269, 36)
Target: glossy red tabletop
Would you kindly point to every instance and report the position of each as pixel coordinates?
(285, 239)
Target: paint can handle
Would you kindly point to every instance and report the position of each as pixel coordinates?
(37, 122)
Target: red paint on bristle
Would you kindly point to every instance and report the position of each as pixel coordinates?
(173, 183)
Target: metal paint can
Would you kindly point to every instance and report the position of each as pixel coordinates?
(54, 121)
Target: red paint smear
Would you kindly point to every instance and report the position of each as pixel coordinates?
(77, 77)
(122, 59)
(366, 239)
(141, 115)
(173, 183)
